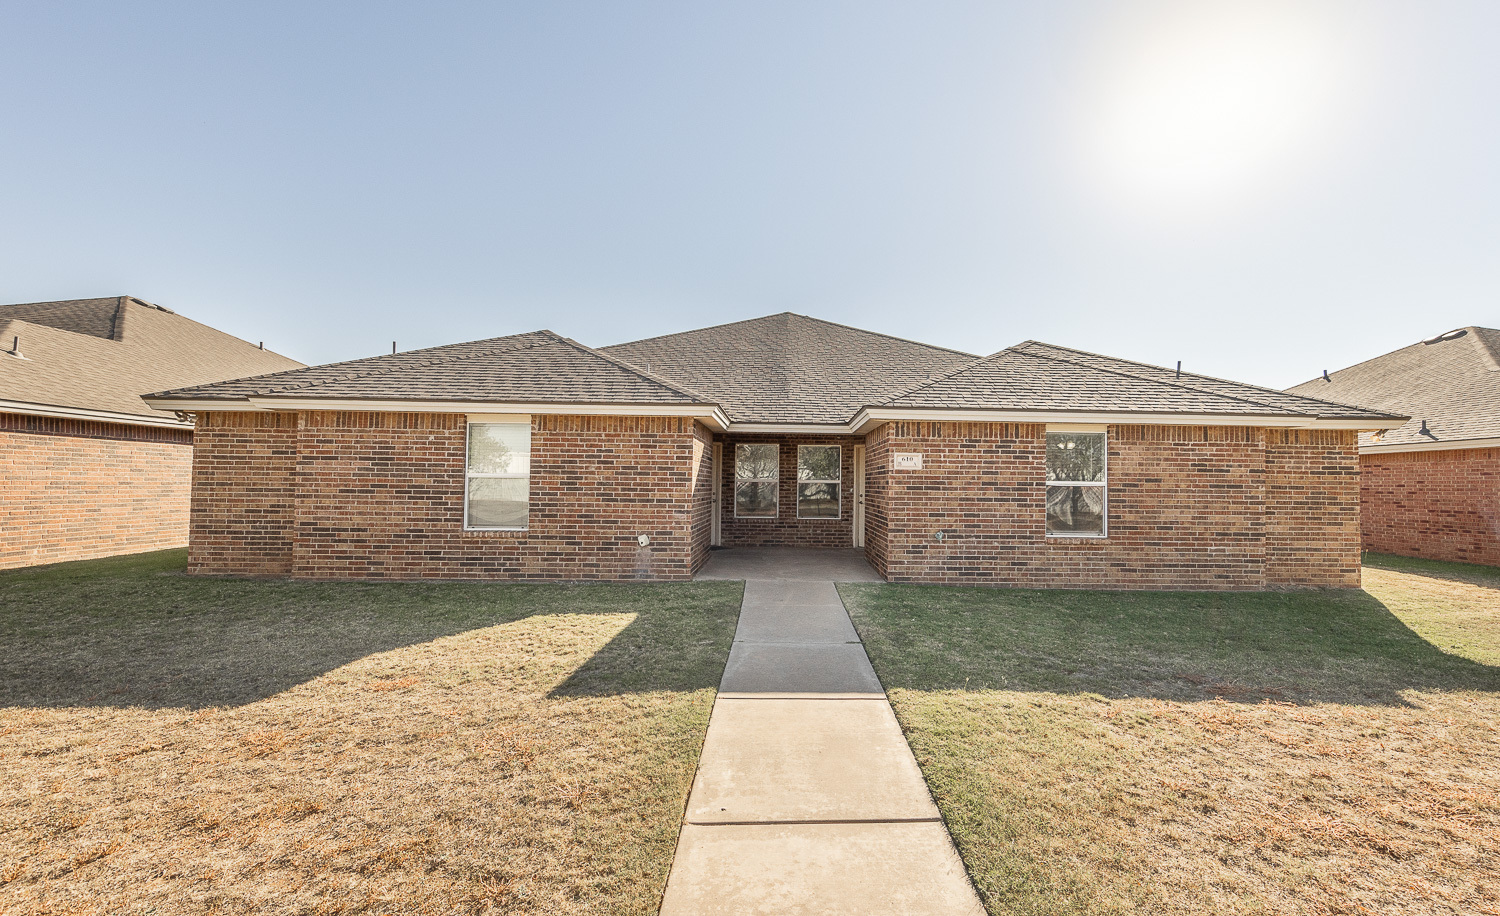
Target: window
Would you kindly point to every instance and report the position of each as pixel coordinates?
(757, 469)
(498, 476)
(819, 474)
(1076, 484)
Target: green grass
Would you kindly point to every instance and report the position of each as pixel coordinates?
(1303, 752)
(172, 744)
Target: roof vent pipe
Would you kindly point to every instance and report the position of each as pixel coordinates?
(1424, 431)
(262, 344)
(1325, 376)
(393, 348)
(1179, 368)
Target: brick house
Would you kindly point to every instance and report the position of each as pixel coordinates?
(536, 457)
(1430, 487)
(87, 469)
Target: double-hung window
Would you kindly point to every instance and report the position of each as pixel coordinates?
(757, 470)
(819, 478)
(1076, 483)
(498, 476)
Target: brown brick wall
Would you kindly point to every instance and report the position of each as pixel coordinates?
(1312, 507)
(80, 489)
(380, 495)
(244, 494)
(1188, 509)
(1443, 505)
(787, 530)
(702, 493)
(877, 477)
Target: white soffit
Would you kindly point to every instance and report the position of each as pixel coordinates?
(101, 416)
(1454, 445)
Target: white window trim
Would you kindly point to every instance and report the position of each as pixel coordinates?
(840, 481)
(483, 420)
(775, 491)
(1103, 482)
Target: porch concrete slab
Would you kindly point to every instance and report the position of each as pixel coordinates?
(806, 760)
(792, 623)
(799, 564)
(769, 669)
(826, 869)
(780, 593)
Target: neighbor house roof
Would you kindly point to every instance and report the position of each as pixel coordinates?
(1449, 383)
(94, 358)
(539, 367)
(1034, 376)
(790, 368)
(785, 371)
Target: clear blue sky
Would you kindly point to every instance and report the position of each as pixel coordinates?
(1259, 190)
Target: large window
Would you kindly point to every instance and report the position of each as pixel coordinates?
(499, 476)
(757, 470)
(819, 475)
(1076, 482)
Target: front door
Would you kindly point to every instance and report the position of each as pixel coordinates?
(715, 536)
(859, 496)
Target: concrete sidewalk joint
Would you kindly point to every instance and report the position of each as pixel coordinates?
(806, 802)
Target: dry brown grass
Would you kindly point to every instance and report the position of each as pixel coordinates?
(363, 749)
(1295, 753)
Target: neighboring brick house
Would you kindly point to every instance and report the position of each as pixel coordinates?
(1430, 487)
(536, 457)
(87, 469)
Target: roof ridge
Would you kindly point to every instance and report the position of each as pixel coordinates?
(1486, 354)
(847, 327)
(422, 364)
(672, 386)
(850, 327)
(181, 317)
(940, 377)
(712, 327)
(367, 359)
(1472, 327)
(1171, 384)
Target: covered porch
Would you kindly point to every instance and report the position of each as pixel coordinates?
(789, 564)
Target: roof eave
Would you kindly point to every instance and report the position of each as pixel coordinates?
(710, 414)
(101, 416)
(870, 417)
(1442, 445)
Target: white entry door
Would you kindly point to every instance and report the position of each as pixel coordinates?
(715, 536)
(859, 496)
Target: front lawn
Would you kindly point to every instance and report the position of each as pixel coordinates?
(182, 745)
(1292, 752)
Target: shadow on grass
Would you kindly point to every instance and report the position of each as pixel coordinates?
(1467, 573)
(1303, 647)
(136, 631)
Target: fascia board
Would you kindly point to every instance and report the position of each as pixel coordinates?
(1444, 446)
(868, 418)
(80, 413)
(792, 429)
(710, 414)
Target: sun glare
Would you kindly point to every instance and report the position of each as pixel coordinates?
(1201, 102)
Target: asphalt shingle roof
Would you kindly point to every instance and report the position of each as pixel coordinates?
(781, 369)
(536, 367)
(1452, 383)
(103, 354)
(1039, 376)
(790, 368)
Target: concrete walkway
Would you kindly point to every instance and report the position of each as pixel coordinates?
(807, 798)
